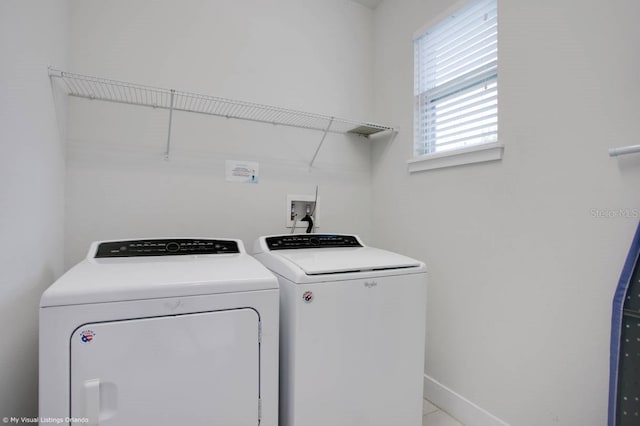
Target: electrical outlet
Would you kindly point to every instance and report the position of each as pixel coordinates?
(297, 207)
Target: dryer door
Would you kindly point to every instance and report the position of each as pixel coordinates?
(194, 369)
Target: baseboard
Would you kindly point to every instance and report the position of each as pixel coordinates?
(468, 413)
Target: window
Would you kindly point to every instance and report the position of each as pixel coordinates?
(456, 81)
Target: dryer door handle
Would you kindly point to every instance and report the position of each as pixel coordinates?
(92, 401)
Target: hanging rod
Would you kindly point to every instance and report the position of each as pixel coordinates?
(89, 87)
(624, 150)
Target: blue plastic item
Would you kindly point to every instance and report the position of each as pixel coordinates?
(624, 374)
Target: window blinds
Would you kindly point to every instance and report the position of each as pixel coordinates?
(456, 80)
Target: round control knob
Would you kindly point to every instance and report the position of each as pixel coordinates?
(314, 241)
(173, 247)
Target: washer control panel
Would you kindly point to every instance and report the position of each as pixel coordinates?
(165, 247)
(287, 242)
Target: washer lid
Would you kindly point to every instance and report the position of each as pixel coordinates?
(346, 260)
(99, 280)
(314, 258)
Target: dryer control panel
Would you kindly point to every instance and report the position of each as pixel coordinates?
(165, 247)
(287, 242)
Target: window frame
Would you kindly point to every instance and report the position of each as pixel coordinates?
(482, 152)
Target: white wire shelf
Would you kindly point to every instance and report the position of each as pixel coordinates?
(90, 87)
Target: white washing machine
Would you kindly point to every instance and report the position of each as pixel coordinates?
(161, 332)
(352, 324)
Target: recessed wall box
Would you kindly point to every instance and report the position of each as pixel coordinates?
(297, 207)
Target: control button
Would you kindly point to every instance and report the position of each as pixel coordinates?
(173, 247)
(314, 241)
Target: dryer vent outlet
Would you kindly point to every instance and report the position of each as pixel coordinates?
(297, 207)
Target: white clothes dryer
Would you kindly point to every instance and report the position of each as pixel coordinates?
(161, 332)
(352, 325)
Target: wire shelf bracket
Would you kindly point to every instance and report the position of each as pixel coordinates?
(168, 151)
(324, 136)
(97, 88)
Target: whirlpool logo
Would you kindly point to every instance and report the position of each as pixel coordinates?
(370, 284)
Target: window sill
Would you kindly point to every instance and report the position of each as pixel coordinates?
(458, 157)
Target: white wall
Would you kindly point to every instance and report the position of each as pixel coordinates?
(522, 273)
(33, 34)
(301, 54)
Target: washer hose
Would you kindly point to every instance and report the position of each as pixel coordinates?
(309, 219)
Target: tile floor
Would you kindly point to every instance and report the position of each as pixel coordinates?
(433, 416)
